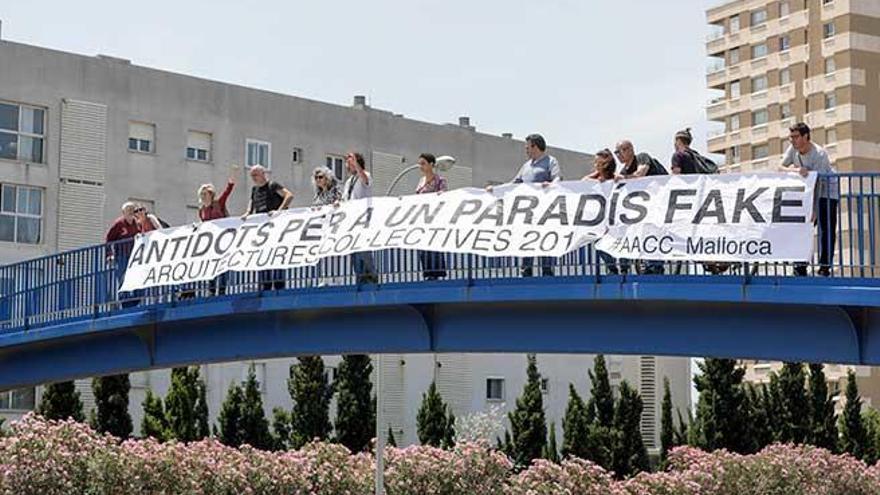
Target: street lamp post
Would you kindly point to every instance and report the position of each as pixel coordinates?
(442, 164)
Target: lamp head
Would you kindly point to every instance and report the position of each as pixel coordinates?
(444, 163)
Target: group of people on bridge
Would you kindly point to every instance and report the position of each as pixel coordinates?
(269, 197)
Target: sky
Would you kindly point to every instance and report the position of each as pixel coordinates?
(584, 73)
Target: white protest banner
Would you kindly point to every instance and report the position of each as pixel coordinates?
(703, 218)
(726, 217)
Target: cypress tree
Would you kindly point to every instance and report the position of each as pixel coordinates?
(667, 430)
(681, 432)
(432, 419)
(185, 405)
(391, 441)
(823, 421)
(356, 411)
(154, 423)
(527, 422)
(871, 420)
(773, 406)
(720, 422)
(630, 455)
(311, 394)
(229, 431)
(449, 438)
(600, 393)
(281, 430)
(575, 427)
(551, 451)
(61, 401)
(254, 425)
(853, 438)
(758, 423)
(111, 403)
(795, 420)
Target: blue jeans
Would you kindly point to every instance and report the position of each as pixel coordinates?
(364, 268)
(546, 266)
(433, 264)
(613, 265)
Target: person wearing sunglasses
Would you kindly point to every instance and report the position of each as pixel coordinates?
(267, 197)
(327, 192)
(146, 220)
(635, 165)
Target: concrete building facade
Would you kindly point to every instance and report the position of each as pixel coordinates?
(778, 62)
(80, 135)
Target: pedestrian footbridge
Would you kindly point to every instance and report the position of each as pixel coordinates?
(61, 318)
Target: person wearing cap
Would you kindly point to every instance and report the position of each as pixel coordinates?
(802, 157)
(433, 263)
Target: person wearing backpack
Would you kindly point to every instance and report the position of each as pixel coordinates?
(686, 160)
(212, 207)
(637, 165)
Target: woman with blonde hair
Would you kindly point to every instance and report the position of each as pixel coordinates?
(212, 207)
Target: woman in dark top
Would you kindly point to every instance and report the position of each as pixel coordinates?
(433, 263)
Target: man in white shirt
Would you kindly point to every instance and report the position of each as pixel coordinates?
(803, 157)
(359, 185)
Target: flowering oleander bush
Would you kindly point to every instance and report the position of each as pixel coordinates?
(64, 457)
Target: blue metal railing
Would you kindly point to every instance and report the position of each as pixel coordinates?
(82, 284)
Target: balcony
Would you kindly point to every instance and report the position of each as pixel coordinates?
(719, 110)
(750, 135)
(775, 60)
(749, 36)
(832, 116)
(827, 82)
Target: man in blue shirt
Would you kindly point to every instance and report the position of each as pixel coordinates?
(543, 168)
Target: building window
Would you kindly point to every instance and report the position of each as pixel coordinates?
(545, 385)
(258, 153)
(784, 77)
(734, 56)
(830, 136)
(760, 117)
(733, 125)
(759, 84)
(23, 399)
(21, 214)
(830, 65)
(336, 164)
(758, 17)
(760, 151)
(141, 137)
(826, 2)
(784, 43)
(734, 89)
(495, 389)
(759, 50)
(828, 30)
(734, 154)
(296, 155)
(22, 132)
(734, 24)
(785, 110)
(198, 146)
(784, 8)
(830, 101)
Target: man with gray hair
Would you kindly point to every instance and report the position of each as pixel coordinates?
(120, 236)
(267, 197)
